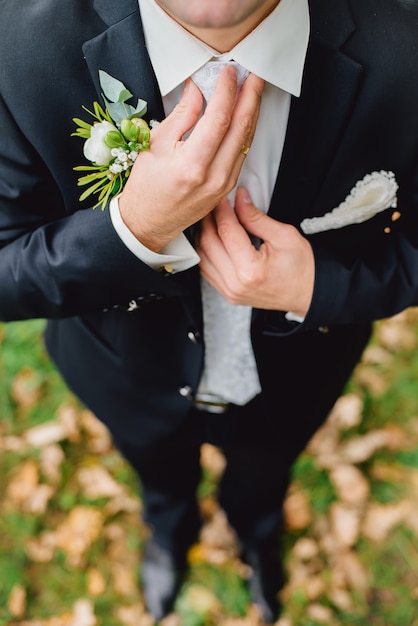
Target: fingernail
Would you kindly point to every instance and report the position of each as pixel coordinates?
(245, 196)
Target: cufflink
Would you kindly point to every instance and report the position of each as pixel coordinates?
(165, 270)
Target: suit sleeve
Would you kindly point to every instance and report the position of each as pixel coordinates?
(59, 258)
(363, 272)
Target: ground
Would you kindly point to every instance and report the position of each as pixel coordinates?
(71, 534)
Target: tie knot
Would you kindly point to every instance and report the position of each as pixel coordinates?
(207, 75)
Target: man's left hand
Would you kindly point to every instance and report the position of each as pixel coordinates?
(279, 275)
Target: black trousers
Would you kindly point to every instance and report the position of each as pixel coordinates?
(251, 490)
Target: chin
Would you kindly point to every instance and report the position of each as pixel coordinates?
(215, 14)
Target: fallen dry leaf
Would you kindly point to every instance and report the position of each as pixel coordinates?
(213, 460)
(98, 436)
(341, 599)
(375, 382)
(122, 503)
(134, 616)
(11, 443)
(349, 571)
(97, 482)
(305, 549)
(320, 613)
(411, 518)
(171, 620)
(345, 523)
(124, 578)
(297, 511)
(347, 412)
(26, 388)
(323, 446)
(202, 600)
(380, 519)
(45, 434)
(314, 587)
(78, 531)
(51, 460)
(16, 603)
(350, 484)
(395, 334)
(38, 500)
(361, 448)
(83, 614)
(24, 480)
(96, 583)
(217, 533)
(208, 506)
(68, 417)
(286, 620)
(377, 355)
(42, 548)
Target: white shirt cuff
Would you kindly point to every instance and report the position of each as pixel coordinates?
(178, 255)
(292, 317)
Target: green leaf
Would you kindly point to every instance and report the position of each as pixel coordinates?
(81, 123)
(100, 113)
(118, 111)
(88, 168)
(124, 95)
(107, 192)
(113, 89)
(90, 190)
(140, 109)
(89, 178)
(81, 132)
(114, 139)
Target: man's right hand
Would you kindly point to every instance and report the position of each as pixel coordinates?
(177, 182)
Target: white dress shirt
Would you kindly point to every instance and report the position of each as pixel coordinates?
(274, 51)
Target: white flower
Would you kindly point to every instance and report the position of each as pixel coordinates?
(122, 157)
(95, 149)
(116, 168)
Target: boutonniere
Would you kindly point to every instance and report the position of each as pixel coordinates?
(371, 195)
(115, 137)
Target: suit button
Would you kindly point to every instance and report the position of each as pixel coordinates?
(186, 391)
(194, 336)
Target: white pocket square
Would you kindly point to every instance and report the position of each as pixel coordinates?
(371, 195)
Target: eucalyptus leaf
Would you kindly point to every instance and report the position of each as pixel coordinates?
(140, 109)
(119, 110)
(113, 89)
(124, 95)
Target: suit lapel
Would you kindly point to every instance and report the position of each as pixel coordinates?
(318, 118)
(120, 50)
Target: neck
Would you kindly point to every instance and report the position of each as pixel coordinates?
(223, 39)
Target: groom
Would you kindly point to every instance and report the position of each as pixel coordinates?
(207, 302)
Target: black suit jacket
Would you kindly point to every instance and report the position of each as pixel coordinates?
(63, 261)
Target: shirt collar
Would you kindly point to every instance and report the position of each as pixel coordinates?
(281, 62)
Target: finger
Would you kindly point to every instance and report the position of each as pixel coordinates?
(253, 219)
(208, 239)
(212, 127)
(224, 247)
(183, 117)
(233, 236)
(248, 105)
(242, 128)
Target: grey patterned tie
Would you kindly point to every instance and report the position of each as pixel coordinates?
(205, 77)
(230, 372)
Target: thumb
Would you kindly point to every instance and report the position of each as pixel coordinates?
(255, 221)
